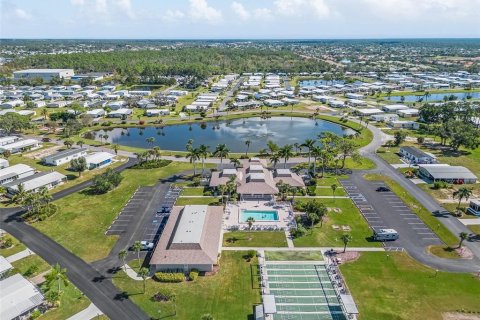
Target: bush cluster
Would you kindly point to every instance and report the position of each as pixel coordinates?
(152, 164)
(193, 275)
(171, 277)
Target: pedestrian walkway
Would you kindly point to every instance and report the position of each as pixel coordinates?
(324, 197)
(19, 255)
(88, 313)
(323, 249)
(132, 273)
(289, 239)
(470, 222)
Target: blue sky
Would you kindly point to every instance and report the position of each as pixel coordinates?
(207, 19)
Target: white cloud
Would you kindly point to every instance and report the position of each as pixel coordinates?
(173, 15)
(22, 14)
(77, 2)
(264, 14)
(240, 11)
(126, 7)
(201, 11)
(318, 8)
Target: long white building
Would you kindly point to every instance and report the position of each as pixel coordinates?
(45, 74)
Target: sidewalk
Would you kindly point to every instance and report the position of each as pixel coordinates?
(20, 255)
(86, 314)
(359, 249)
(132, 273)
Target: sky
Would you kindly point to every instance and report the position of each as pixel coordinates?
(239, 19)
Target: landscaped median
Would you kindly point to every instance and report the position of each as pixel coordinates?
(229, 294)
(393, 286)
(426, 216)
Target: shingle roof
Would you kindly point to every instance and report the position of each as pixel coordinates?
(417, 153)
(64, 153)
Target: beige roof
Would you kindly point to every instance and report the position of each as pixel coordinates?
(246, 186)
(219, 177)
(288, 177)
(204, 251)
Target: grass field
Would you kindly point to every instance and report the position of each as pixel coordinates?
(329, 192)
(475, 228)
(325, 236)
(444, 252)
(15, 248)
(293, 255)
(72, 301)
(397, 287)
(254, 239)
(198, 200)
(228, 295)
(82, 219)
(426, 216)
(193, 191)
(23, 265)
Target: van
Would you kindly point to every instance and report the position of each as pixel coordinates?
(385, 234)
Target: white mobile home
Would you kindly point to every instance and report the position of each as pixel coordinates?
(14, 172)
(64, 156)
(20, 146)
(5, 267)
(96, 113)
(8, 140)
(19, 298)
(99, 159)
(398, 124)
(387, 117)
(3, 163)
(34, 182)
(416, 156)
(446, 173)
(120, 113)
(407, 113)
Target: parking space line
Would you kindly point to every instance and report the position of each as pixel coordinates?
(415, 223)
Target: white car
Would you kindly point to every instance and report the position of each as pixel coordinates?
(146, 245)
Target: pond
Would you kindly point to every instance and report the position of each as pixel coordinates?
(436, 96)
(233, 133)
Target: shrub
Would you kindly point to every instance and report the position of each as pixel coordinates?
(440, 185)
(107, 181)
(31, 270)
(311, 190)
(193, 275)
(251, 253)
(35, 314)
(171, 277)
(163, 295)
(152, 164)
(7, 242)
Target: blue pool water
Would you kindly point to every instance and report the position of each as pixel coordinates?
(258, 215)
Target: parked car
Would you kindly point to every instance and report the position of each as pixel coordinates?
(146, 246)
(383, 189)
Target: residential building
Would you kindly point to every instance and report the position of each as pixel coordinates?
(3, 163)
(99, 159)
(394, 107)
(387, 117)
(14, 172)
(367, 112)
(399, 124)
(49, 180)
(5, 267)
(474, 207)
(286, 176)
(417, 156)
(8, 140)
(19, 298)
(21, 145)
(191, 239)
(64, 156)
(120, 113)
(446, 173)
(96, 113)
(45, 74)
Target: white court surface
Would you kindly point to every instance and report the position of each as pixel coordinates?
(233, 215)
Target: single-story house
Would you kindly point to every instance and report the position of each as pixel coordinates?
(273, 103)
(120, 113)
(64, 156)
(57, 104)
(157, 112)
(12, 104)
(99, 159)
(474, 207)
(407, 113)
(191, 239)
(49, 179)
(14, 172)
(21, 145)
(5, 267)
(417, 156)
(19, 298)
(446, 173)
(8, 140)
(394, 107)
(398, 124)
(3, 163)
(368, 111)
(288, 177)
(96, 113)
(336, 103)
(387, 117)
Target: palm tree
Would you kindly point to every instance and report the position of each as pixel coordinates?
(203, 152)
(462, 193)
(247, 143)
(222, 152)
(144, 272)
(58, 275)
(80, 143)
(272, 146)
(20, 195)
(156, 152)
(122, 255)
(222, 188)
(274, 159)
(334, 188)
(137, 247)
(346, 238)
(309, 144)
(115, 148)
(193, 155)
(52, 297)
(286, 152)
(250, 222)
(463, 237)
(45, 113)
(150, 141)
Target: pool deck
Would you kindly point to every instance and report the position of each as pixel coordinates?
(232, 221)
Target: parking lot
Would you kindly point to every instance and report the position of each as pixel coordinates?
(387, 210)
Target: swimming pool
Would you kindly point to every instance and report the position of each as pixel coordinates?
(259, 215)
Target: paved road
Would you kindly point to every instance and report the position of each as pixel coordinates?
(95, 285)
(235, 86)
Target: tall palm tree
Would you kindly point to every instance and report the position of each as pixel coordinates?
(463, 237)
(462, 193)
(247, 143)
(272, 146)
(221, 151)
(122, 255)
(45, 113)
(334, 188)
(286, 152)
(143, 273)
(250, 222)
(346, 238)
(193, 155)
(274, 159)
(57, 275)
(137, 247)
(309, 144)
(156, 152)
(204, 153)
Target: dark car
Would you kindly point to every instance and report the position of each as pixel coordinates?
(383, 189)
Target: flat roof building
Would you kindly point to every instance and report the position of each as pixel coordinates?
(446, 173)
(99, 159)
(64, 156)
(36, 181)
(5, 267)
(20, 146)
(19, 297)
(191, 239)
(17, 171)
(45, 74)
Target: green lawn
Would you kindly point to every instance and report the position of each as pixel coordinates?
(328, 180)
(475, 228)
(82, 219)
(389, 155)
(426, 216)
(228, 295)
(72, 301)
(254, 239)
(444, 252)
(23, 265)
(193, 191)
(15, 248)
(329, 192)
(325, 236)
(293, 255)
(198, 200)
(397, 287)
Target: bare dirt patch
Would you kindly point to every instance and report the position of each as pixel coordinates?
(459, 316)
